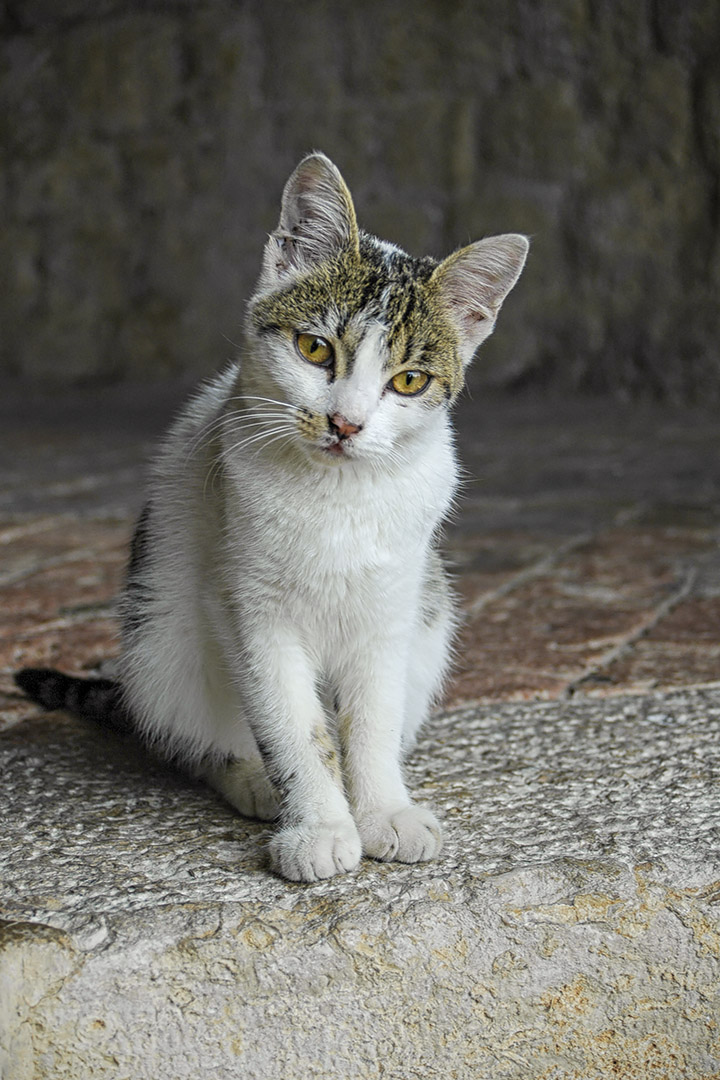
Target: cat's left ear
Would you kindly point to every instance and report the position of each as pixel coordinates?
(473, 283)
(317, 221)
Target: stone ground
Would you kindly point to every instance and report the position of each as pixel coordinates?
(569, 930)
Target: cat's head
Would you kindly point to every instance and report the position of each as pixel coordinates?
(354, 345)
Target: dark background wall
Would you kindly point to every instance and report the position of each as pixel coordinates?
(144, 148)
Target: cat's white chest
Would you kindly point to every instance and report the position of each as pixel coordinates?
(328, 532)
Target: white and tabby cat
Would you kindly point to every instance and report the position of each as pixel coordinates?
(286, 620)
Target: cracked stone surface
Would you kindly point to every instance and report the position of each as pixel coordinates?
(572, 921)
(570, 929)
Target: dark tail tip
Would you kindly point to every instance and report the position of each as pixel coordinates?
(43, 685)
(95, 699)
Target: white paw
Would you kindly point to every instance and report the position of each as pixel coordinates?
(311, 852)
(410, 834)
(246, 786)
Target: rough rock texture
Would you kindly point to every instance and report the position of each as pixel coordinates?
(570, 929)
(145, 146)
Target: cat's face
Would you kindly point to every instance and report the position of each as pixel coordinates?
(353, 346)
(360, 351)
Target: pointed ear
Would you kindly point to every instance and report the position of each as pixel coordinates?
(317, 220)
(474, 282)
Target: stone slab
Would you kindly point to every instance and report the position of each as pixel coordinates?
(570, 929)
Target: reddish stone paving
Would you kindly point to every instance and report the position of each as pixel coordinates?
(58, 580)
(586, 556)
(553, 631)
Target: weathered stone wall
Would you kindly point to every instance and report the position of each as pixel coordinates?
(144, 148)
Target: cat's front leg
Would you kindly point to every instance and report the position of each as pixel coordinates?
(372, 705)
(317, 837)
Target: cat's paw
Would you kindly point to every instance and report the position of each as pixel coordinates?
(409, 834)
(312, 852)
(246, 786)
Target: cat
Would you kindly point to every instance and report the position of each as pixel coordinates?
(287, 622)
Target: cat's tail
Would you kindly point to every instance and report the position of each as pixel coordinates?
(100, 700)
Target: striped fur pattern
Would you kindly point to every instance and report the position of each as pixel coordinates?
(287, 620)
(93, 699)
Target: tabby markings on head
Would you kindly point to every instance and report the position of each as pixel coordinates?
(344, 294)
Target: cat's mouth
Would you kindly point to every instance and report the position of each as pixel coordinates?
(335, 449)
(322, 450)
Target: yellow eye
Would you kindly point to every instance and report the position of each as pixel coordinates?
(315, 349)
(410, 382)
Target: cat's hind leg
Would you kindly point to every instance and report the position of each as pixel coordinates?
(241, 778)
(244, 783)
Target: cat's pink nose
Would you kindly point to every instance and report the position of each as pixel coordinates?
(342, 427)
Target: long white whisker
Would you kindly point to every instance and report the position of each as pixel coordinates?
(212, 472)
(270, 436)
(278, 437)
(250, 410)
(253, 418)
(254, 410)
(237, 417)
(257, 437)
(219, 423)
(257, 397)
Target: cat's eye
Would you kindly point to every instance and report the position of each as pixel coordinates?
(315, 349)
(410, 382)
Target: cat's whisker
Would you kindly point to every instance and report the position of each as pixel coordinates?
(283, 435)
(219, 421)
(226, 418)
(256, 437)
(262, 407)
(277, 438)
(254, 410)
(268, 401)
(230, 420)
(212, 473)
(204, 435)
(253, 420)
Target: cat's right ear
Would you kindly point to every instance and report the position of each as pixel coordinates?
(317, 221)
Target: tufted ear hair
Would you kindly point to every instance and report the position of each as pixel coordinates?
(317, 220)
(473, 283)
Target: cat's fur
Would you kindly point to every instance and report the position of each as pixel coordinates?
(286, 620)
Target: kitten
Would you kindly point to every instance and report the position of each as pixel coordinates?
(287, 621)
